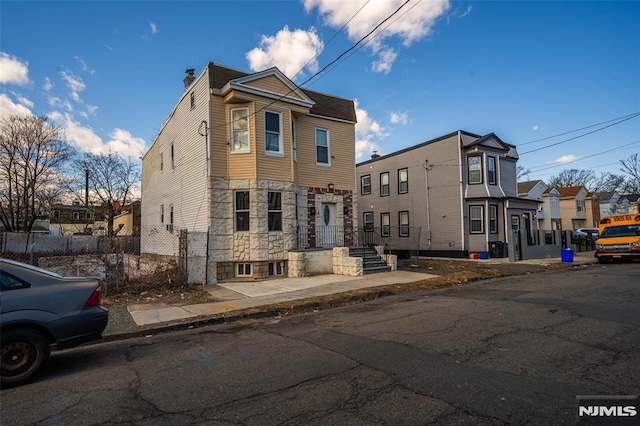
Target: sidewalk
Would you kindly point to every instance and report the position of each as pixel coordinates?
(241, 296)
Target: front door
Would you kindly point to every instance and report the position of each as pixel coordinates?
(328, 225)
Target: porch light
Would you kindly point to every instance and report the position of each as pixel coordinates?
(330, 187)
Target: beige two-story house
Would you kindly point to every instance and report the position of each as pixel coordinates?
(253, 161)
(448, 196)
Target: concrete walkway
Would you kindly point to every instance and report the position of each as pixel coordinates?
(235, 296)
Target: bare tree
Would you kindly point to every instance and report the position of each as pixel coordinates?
(522, 173)
(32, 156)
(111, 180)
(572, 177)
(631, 166)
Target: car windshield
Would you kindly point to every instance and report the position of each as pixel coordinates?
(30, 267)
(620, 231)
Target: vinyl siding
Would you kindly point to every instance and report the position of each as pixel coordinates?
(184, 186)
(273, 167)
(341, 154)
(273, 84)
(444, 192)
(242, 165)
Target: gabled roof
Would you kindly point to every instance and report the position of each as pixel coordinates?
(570, 191)
(489, 141)
(605, 196)
(324, 105)
(525, 187)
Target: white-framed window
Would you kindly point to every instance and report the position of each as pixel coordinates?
(493, 219)
(384, 184)
(173, 161)
(241, 208)
(403, 181)
(367, 219)
(403, 222)
(274, 215)
(276, 268)
(171, 214)
(491, 170)
(76, 215)
(161, 213)
(474, 165)
(580, 206)
(385, 224)
(243, 269)
(365, 184)
(161, 161)
(476, 219)
(272, 133)
(240, 130)
(322, 147)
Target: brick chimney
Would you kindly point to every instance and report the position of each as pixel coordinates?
(189, 78)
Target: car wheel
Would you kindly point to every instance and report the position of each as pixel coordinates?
(25, 353)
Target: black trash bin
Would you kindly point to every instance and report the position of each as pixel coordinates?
(497, 249)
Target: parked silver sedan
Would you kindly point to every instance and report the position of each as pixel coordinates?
(39, 309)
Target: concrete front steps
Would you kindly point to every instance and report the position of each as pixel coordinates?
(371, 262)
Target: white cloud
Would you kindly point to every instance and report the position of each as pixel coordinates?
(74, 83)
(566, 159)
(82, 137)
(48, 84)
(290, 51)
(56, 102)
(8, 107)
(90, 111)
(412, 23)
(13, 70)
(154, 27)
(121, 141)
(400, 118)
(84, 66)
(535, 128)
(367, 130)
(124, 144)
(24, 101)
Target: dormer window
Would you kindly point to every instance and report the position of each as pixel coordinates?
(491, 170)
(474, 166)
(240, 130)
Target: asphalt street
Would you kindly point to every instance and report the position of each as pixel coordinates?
(516, 350)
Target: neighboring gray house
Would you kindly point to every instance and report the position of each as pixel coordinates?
(548, 214)
(612, 203)
(458, 192)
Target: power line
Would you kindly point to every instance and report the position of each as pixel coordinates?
(582, 135)
(588, 156)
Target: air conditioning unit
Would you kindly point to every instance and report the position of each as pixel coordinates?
(170, 227)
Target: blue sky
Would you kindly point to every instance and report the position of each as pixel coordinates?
(110, 72)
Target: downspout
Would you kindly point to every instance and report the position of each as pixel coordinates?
(426, 184)
(462, 199)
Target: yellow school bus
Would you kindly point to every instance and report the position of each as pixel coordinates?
(619, 238)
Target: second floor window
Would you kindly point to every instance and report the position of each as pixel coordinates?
(274, 215)
(173, 162)
(475, 169)
(161, 161)
(272, 133)
(241, 207)
(580, 206)
(240, 130)
(192, 99)
(384, 184)
(365, 184)
(403, 181)
(491, 170)
(385, 224)
(322, 147)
